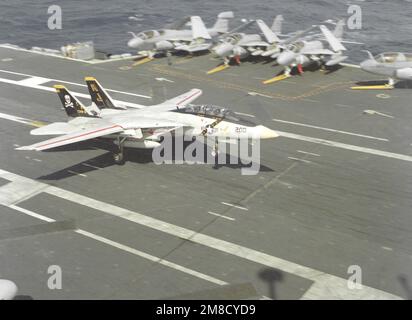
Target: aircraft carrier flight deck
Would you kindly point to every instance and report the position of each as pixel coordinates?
(333, 191)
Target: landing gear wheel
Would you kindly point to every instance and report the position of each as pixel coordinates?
(215, 154)
(118, 158)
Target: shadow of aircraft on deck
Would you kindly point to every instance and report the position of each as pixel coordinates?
(139, 156)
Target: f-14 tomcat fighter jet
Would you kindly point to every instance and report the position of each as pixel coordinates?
(170, 39)
(394, 65)
(144, 127)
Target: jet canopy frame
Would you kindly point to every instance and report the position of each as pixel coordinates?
(391, 57)
(216, 112)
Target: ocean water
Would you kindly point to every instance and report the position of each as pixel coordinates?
(386, 25)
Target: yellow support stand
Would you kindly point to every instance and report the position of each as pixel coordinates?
(218, 68)
(142, 61)
(376, 87)
(276, 79)
(37, 124)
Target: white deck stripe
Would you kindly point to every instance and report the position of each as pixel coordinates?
(77, 94)
(77, 173)
(48, 54)
(90, 166)
(221, 216)
(245, 114)
(309, 153)
(298, 159)
(34, 81)
(14, 118)
(30, 76)
(127, 248)
(234, 206)
(152, 258)
(330, 130)
(31, 213)
(327, 286)
(335, 144)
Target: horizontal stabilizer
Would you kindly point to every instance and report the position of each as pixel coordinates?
(77, 136)
(56, 128)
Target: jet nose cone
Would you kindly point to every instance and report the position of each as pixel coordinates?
(266, 133)
(8, 290)
(286, 58)
(135, 43)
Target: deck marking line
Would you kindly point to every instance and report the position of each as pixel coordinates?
(127, 248)
(221, 216)
(234, 206)
(325, 286)
(351, 147)
(328, 129)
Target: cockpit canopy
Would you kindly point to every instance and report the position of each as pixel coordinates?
(234, 38)
(390, 57)
(208, 110)
(296, 47)
(145, 35)
(212, 111)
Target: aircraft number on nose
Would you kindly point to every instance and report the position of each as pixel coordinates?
(240, 130)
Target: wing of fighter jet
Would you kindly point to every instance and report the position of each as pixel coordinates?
(176, 102)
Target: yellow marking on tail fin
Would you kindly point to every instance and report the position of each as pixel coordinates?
(89, 79)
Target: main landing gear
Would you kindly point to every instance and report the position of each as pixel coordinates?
(118, 156)
(215, 154)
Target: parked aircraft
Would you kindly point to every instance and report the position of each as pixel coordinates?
(170, 39)
(394, 65)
